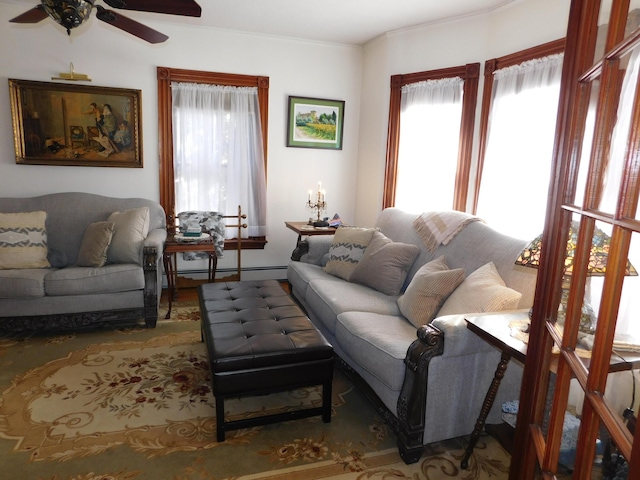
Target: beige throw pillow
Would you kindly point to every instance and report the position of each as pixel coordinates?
(385, 264)
(131, 228)
(428, 290)
(347, 248)
(482, 291)
(23, 240)
(95, 244)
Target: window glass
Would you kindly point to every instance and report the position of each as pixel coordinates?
(515, 176)
(428, 150)
(592, 89)
(628, 69)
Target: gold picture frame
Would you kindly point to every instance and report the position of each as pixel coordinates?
(78, 125)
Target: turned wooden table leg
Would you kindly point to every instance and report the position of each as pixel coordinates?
(486, 407)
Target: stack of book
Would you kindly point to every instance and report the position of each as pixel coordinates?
(193, 232)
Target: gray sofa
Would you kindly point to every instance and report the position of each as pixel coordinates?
(428, 382)
(57, 292)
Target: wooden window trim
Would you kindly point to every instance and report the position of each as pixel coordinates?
(470, 73)
(490, 66)
(167, 75)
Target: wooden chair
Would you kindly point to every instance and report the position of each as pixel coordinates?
(77, 136)
(214, 223)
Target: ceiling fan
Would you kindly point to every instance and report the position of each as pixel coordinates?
(72, 13)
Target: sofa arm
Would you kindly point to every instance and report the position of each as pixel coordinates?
(461, 340)
(316, 248)
(156, 238)
(152, 251)
(413, 396)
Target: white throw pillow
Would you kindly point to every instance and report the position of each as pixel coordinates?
(482, 291)
(130, 229)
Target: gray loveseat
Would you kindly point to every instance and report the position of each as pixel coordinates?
(429, 381)
(68, 288)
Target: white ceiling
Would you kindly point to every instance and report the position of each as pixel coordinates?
(337, 21)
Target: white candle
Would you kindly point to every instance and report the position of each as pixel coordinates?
(309, 196)
(323, 193)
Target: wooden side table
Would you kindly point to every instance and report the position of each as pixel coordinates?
(495, 330)
(172, 248)
(304, 229)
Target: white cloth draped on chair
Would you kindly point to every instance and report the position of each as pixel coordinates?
(209, 222)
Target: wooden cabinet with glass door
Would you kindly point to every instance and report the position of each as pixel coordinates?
(596, 172)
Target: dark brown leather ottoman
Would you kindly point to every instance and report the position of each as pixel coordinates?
(259, 341)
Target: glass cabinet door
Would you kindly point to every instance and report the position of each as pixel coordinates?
(584, 351)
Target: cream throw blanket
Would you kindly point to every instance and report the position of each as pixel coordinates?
(439, 228)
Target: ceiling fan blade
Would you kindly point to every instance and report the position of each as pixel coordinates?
(187, 8)
(130, 26)
(35, 15)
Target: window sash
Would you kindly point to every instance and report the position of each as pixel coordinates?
(469, 74)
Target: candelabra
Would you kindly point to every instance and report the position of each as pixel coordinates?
(319, 205)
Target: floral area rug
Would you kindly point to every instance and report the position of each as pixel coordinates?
(136, 403)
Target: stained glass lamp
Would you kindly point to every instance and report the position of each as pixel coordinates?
(600, 244)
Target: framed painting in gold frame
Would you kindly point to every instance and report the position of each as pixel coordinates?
(79, 125)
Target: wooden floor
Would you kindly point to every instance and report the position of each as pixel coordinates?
(191, 293)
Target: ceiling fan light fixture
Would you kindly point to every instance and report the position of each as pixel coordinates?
(68, 13)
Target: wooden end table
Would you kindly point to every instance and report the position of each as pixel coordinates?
(304, 229)
(495, 330)
(172, 248)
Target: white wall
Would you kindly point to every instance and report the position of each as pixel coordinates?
(353, 177)
(115, 59)
(512, 28)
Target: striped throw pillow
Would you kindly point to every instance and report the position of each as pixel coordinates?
(428, 290)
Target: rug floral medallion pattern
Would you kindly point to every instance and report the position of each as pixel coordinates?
(155, 398)
(137, 404)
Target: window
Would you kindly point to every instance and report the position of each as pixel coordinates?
(431, 118)
(517, 133)
(206, 162)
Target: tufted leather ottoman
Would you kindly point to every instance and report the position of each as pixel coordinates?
(259, 341)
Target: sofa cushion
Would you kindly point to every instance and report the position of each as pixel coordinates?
(23, 283)
(23, 240)
(428, 290)
(131, 228)
(95, 243)
(328, 298)
(385, 264)
(347, 248)
(87, 280)
(482, 291)
(378, 343)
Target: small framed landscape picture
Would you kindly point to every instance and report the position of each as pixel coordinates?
(315, 123)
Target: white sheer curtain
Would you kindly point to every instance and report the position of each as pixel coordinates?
(522, 122)
(620, 386)
(630, 301)
(217, 152)
(430, 116)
